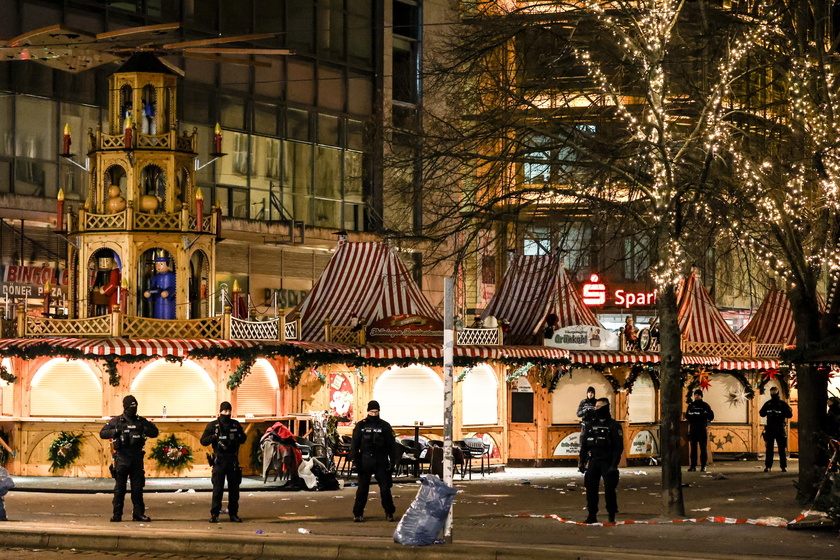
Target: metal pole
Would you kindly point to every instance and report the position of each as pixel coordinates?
(448, 387)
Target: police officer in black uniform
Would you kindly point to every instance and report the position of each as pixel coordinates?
(586, 406)
(601, 446)
(373, 450)
(129, 432)
(225, 435)
(698, 414)
(777, 413)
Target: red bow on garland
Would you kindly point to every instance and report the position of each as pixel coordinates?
(771, 374)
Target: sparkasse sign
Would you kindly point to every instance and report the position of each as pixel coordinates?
(595, 293)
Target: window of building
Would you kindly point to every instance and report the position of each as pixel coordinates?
(360, 38)
(537, 241)
(297, 124)
(300, 32)
(405, 71)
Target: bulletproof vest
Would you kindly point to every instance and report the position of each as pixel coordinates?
(131, 435)
(599, 439)
(227, 436)
(695, 413)
(776, 413)
(373, 438)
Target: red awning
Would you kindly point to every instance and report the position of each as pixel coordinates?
(129, 347)
(614, 357)
(365, 279)
(772, 322)
(699, 319)
(747, 364)
(534, 287)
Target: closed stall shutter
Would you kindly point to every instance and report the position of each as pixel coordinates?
(642, 401)
(411, 394)
(267, 262)
(258, 393)
(184, 389)
(723, 396)
(231, 258)
(571, 389)
(65, 388)
(6, 391)
(298, 265)
(480, 396)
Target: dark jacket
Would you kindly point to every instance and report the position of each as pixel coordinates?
(602, 439)
(373, 436)
(129, 435)
(225, 437)
(777, 412)
(699, 413)
(585, 406)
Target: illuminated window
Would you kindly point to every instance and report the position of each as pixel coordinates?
(480, 396)
(571, 389)
(184, 389)
(642, 401)
(411, 394)
(258, 393)
(65, 388)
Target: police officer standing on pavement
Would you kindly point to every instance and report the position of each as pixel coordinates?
(777, 413)
(225, 435)
(601, 446)
(373, 451)
(129, 432)
(698, 414)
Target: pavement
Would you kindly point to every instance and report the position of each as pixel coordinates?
(733, 511)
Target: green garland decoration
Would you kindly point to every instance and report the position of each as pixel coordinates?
(239, 374)
(638, 370)
(64, 450)
(360, 374)
(6, 375)
(519, 372)
(114, 377)
(172, 455)
(463, 374)
(4, 455)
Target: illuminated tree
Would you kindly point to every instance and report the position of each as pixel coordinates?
(782, 197)
(621, 108)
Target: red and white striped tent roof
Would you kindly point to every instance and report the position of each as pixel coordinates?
(157, 347)
(773, 321)
(699, 319)
(534, 287)
(367, 279)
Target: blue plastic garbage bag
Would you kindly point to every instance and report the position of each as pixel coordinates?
(425, 518)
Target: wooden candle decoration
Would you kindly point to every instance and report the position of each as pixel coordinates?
(199, 211)
(59, 211)
(65, 146)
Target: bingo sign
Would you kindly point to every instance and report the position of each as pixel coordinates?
(569, 446)
(595, 293)
(21, 282)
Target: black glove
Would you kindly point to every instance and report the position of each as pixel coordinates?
(582, 468)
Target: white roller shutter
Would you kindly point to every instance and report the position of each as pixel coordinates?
(186, 390)
(65, 389)
(408, 395)
(258, 393)
(480, 397)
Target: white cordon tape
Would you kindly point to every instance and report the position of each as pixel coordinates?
(730, 520)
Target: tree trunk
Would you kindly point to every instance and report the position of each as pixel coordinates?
(670, 402)
(812, 389)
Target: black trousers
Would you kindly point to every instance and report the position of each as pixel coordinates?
(779, 439)
(379, 467)
(225, 468)
(129, 466)
(595, 471)
(698, 438)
